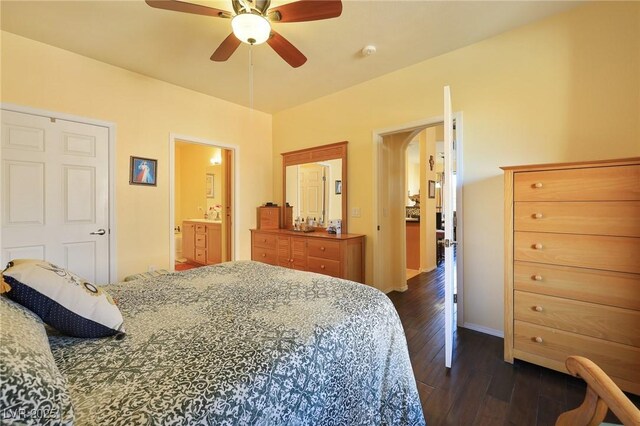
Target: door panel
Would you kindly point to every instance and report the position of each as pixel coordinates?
(79, 194)
(55, 199)
(23, 193)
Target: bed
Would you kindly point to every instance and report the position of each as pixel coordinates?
(244, 343)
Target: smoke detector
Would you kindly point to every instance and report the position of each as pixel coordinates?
(369, 50)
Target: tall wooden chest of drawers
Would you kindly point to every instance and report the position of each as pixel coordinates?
(572, 266)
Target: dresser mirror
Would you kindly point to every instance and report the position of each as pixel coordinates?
(315, 185)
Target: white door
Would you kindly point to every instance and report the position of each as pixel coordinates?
(312, 190)
(55, 193)
(448, 194)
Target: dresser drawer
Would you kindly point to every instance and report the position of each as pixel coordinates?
(616, 218)
(201, 229)
(596, 252)
(604, 322)
(617, 360)
(201, 255)
(264, 240)
(264, 255)
(613, 183)
(324, 249)
(589, 285)
(201, 240)
(324, 266)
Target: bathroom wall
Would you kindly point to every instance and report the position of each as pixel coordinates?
(190, 190)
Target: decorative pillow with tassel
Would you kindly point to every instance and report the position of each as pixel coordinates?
(63, 300)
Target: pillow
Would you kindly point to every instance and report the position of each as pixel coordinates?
(32, 390)
(63, 300)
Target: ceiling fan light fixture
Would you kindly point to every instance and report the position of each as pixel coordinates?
(251, 28)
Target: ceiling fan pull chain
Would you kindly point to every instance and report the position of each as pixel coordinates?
(251, 76)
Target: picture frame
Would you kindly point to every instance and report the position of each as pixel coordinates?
(210, 185)
(338, 187)
(143, 171)
(432, 189)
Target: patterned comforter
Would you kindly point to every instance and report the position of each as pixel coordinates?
(244, 343)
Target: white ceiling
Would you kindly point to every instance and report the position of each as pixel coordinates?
(175, 47)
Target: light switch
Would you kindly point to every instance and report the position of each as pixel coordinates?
(355, 212)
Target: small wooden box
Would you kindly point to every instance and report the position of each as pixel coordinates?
(268, 217)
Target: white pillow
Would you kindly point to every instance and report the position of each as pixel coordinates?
(63, 300)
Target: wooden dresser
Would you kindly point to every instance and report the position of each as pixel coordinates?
(340, 256)
(572, 266)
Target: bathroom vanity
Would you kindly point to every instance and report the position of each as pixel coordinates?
(202, 241)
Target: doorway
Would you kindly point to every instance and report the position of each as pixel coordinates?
(202, 197)
(390, 203)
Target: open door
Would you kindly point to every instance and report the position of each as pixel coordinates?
(448, 194)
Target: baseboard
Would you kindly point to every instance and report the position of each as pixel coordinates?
(483, 329)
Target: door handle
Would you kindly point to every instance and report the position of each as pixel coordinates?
(98, 232)
(449, 243)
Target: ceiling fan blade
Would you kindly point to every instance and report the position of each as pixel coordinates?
(306, 10)
(226, 48)
(286, 50)
(181, 6)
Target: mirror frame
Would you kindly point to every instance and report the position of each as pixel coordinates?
(332, 151)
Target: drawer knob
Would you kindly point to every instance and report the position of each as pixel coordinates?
(537, 185)
(538, 339)
(537, 215)
(264, 240)
(537, 308)
(264, 254)
(537, 277)
(321, 266)
(322, 249)
(291, 260)
(537, 246)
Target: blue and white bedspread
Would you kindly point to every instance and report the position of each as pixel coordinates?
(244, 343)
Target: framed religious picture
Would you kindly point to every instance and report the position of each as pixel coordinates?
(143, 171)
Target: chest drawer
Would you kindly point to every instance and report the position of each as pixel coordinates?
(617, 218)
(201, 240)
(265, 255)
(264, 240)
(622, 362)
(613, 183)
(604, 322)
(201, 229)
(324, 249)
(588, 251)
(621, 289)
(201, 255)
(324, 266)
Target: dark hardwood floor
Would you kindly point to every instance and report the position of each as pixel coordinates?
(480, 388)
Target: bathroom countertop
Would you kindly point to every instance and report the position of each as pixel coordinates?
(204, 220)
(412, 219)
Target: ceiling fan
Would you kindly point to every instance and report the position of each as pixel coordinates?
(251, 22)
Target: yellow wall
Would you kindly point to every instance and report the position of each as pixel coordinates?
(145, 112)
(564, 89)
(191, 201)
(428, 261)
